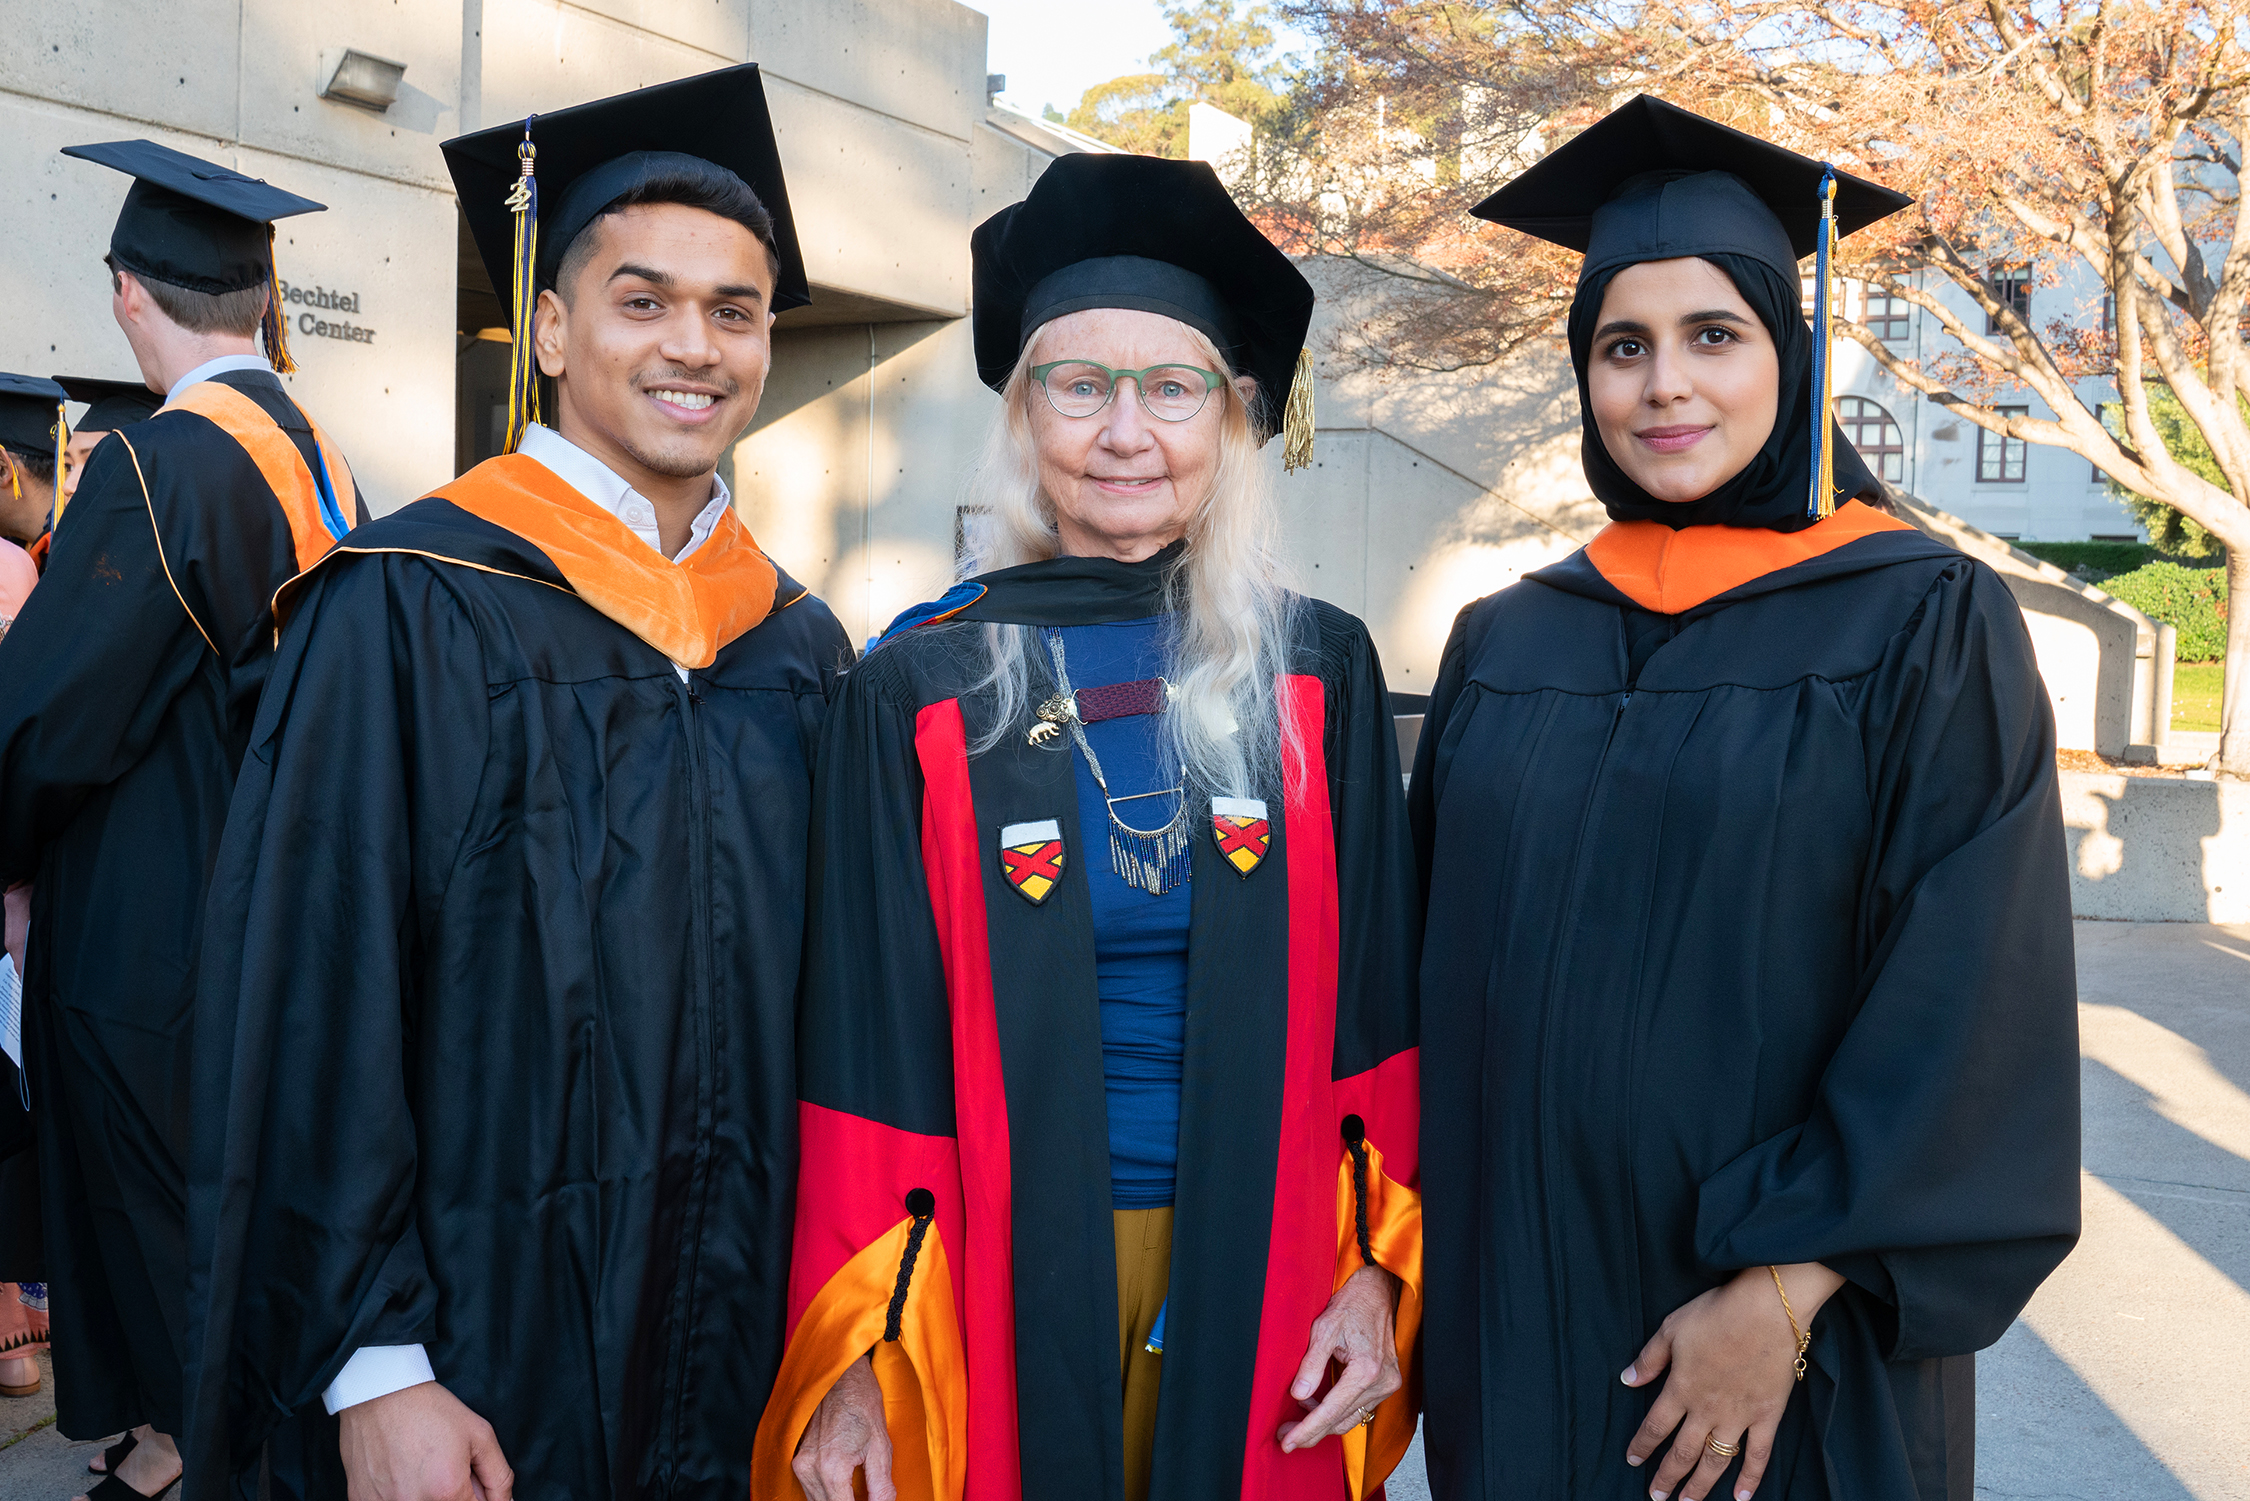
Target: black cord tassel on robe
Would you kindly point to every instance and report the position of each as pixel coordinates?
(1355, 1138)
(922, 1204)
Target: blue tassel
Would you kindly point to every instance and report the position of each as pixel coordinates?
(1156, 1330)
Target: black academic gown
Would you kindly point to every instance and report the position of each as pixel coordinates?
(954, 1213)
(1749, 942)
(126, 689)
(502, 969)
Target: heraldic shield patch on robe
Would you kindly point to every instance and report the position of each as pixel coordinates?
(1031, 857)
(1244, 835)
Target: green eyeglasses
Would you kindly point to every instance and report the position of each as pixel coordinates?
(1169, 393)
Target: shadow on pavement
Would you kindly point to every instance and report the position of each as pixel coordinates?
(2041, 1432)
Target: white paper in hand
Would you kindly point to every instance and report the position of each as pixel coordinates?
(11, 1012)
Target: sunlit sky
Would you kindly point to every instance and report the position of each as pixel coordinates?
(1054, 50)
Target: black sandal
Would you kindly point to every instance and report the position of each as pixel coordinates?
(114, 1455)
(114, 1489)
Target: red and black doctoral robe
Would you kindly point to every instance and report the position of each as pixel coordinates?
(951, 1063)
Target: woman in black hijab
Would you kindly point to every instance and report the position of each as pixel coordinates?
(1750, 1067)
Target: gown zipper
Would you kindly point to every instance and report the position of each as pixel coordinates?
(1560, 973)
(690, 696)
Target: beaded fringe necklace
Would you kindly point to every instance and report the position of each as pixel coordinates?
(1155, 860)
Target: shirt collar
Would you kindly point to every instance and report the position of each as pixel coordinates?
(590, 477)
(225, 364)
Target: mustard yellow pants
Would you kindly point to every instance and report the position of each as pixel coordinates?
(1144, 1271)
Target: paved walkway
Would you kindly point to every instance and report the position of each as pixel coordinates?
(2126, 1375)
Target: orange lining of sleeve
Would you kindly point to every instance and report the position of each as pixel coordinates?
(1670, 571)
(923, 1374)
(1394, 1234)
(687, 611)
(279, 462)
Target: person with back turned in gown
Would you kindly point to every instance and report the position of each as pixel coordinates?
(129, 680)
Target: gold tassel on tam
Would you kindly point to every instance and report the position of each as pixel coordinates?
(274, 326)
(1297, 416)
(62, 465)
(523, 296)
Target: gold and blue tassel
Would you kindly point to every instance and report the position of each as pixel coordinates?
(523, 366)
(1822, 501)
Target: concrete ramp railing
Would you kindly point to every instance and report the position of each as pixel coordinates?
(2107, 666)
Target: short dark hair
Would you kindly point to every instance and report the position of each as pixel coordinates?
(710, 188)
(39, 463)
(235, 312)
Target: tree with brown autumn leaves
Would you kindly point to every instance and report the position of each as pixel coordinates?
(2100, 140)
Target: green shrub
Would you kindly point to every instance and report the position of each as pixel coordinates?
(2193, 601)
(2100, 557)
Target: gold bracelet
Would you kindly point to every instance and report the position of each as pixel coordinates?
(1803, 1339)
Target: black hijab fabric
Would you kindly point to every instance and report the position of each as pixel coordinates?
(1769, 492)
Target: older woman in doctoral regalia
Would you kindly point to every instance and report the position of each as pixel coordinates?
(1108, 1182)
(1751, 1075)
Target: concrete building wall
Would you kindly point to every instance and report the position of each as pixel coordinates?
(879, 105)
(2157, 849)
(237, 82)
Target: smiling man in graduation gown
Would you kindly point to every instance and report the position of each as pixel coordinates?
(126, 689)
(507, 922)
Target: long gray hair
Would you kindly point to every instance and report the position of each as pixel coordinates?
(1234, 614)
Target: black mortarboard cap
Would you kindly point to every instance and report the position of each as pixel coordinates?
(590, 155)
(189, 222)
(1650, 181)
(1157, 236)
(110, 404)
(31, 415)
(540, 181)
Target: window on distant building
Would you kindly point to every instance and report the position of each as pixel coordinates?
(1875, 435)
(2010, 285)
(2000, 459)
(1837, 287)
(1885, 316)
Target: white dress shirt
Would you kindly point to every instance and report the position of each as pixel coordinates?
(220, 366)
(595, 480)
(378, 1370)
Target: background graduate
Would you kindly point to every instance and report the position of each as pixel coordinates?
(1748, 996)
(126, 688)
(34, 439)
(31, 436)
(1109, 1184)
(110, 405)
(507, 922)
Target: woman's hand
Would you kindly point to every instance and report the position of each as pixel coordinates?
(847, 1433)
(1733, 1362)
(1355, 1328)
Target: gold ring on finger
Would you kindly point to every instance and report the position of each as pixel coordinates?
(1366, 1416)
(1723, 1451)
